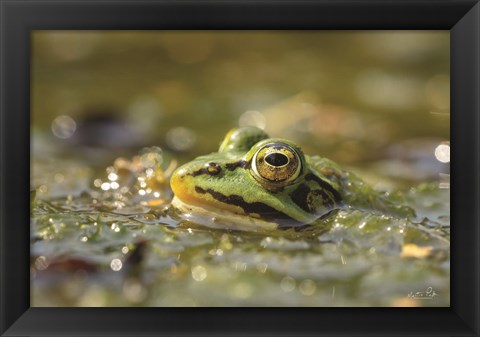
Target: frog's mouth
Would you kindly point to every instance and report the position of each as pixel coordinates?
(220, 219)
(188, 193)
(193, 199)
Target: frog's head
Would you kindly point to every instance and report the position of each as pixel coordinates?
(254, 177)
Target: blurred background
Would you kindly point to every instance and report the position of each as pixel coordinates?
(353, 96)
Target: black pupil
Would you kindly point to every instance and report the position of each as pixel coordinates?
(276, 159)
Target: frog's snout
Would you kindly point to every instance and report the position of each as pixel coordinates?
(183, 184)
(179, 182)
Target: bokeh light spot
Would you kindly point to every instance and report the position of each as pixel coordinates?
(63, 127)
(116, 264)
(181, 138)
(442, 153)
(307, 287)
(288, 284)
(252, 118)
(199, 273)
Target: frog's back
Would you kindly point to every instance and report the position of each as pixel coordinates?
(353, 190)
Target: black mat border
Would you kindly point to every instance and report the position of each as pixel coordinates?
(19, 17)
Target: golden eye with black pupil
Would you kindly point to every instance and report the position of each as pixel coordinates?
(276, 164)
(277, 159)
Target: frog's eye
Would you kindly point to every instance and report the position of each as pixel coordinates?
(276, 163)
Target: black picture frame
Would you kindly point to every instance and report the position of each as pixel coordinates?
(19, 17)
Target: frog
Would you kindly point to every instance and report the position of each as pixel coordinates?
(254, 181)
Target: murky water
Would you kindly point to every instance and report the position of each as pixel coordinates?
(117, 242)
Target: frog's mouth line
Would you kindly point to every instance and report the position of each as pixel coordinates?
(265, 212)
(256, 210)
(220, 218)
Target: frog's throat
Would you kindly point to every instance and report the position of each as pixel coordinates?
(220, 219)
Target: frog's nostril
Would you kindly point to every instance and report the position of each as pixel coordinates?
(276, 159)
(213, 168)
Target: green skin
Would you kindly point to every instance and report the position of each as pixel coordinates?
(226, 181)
